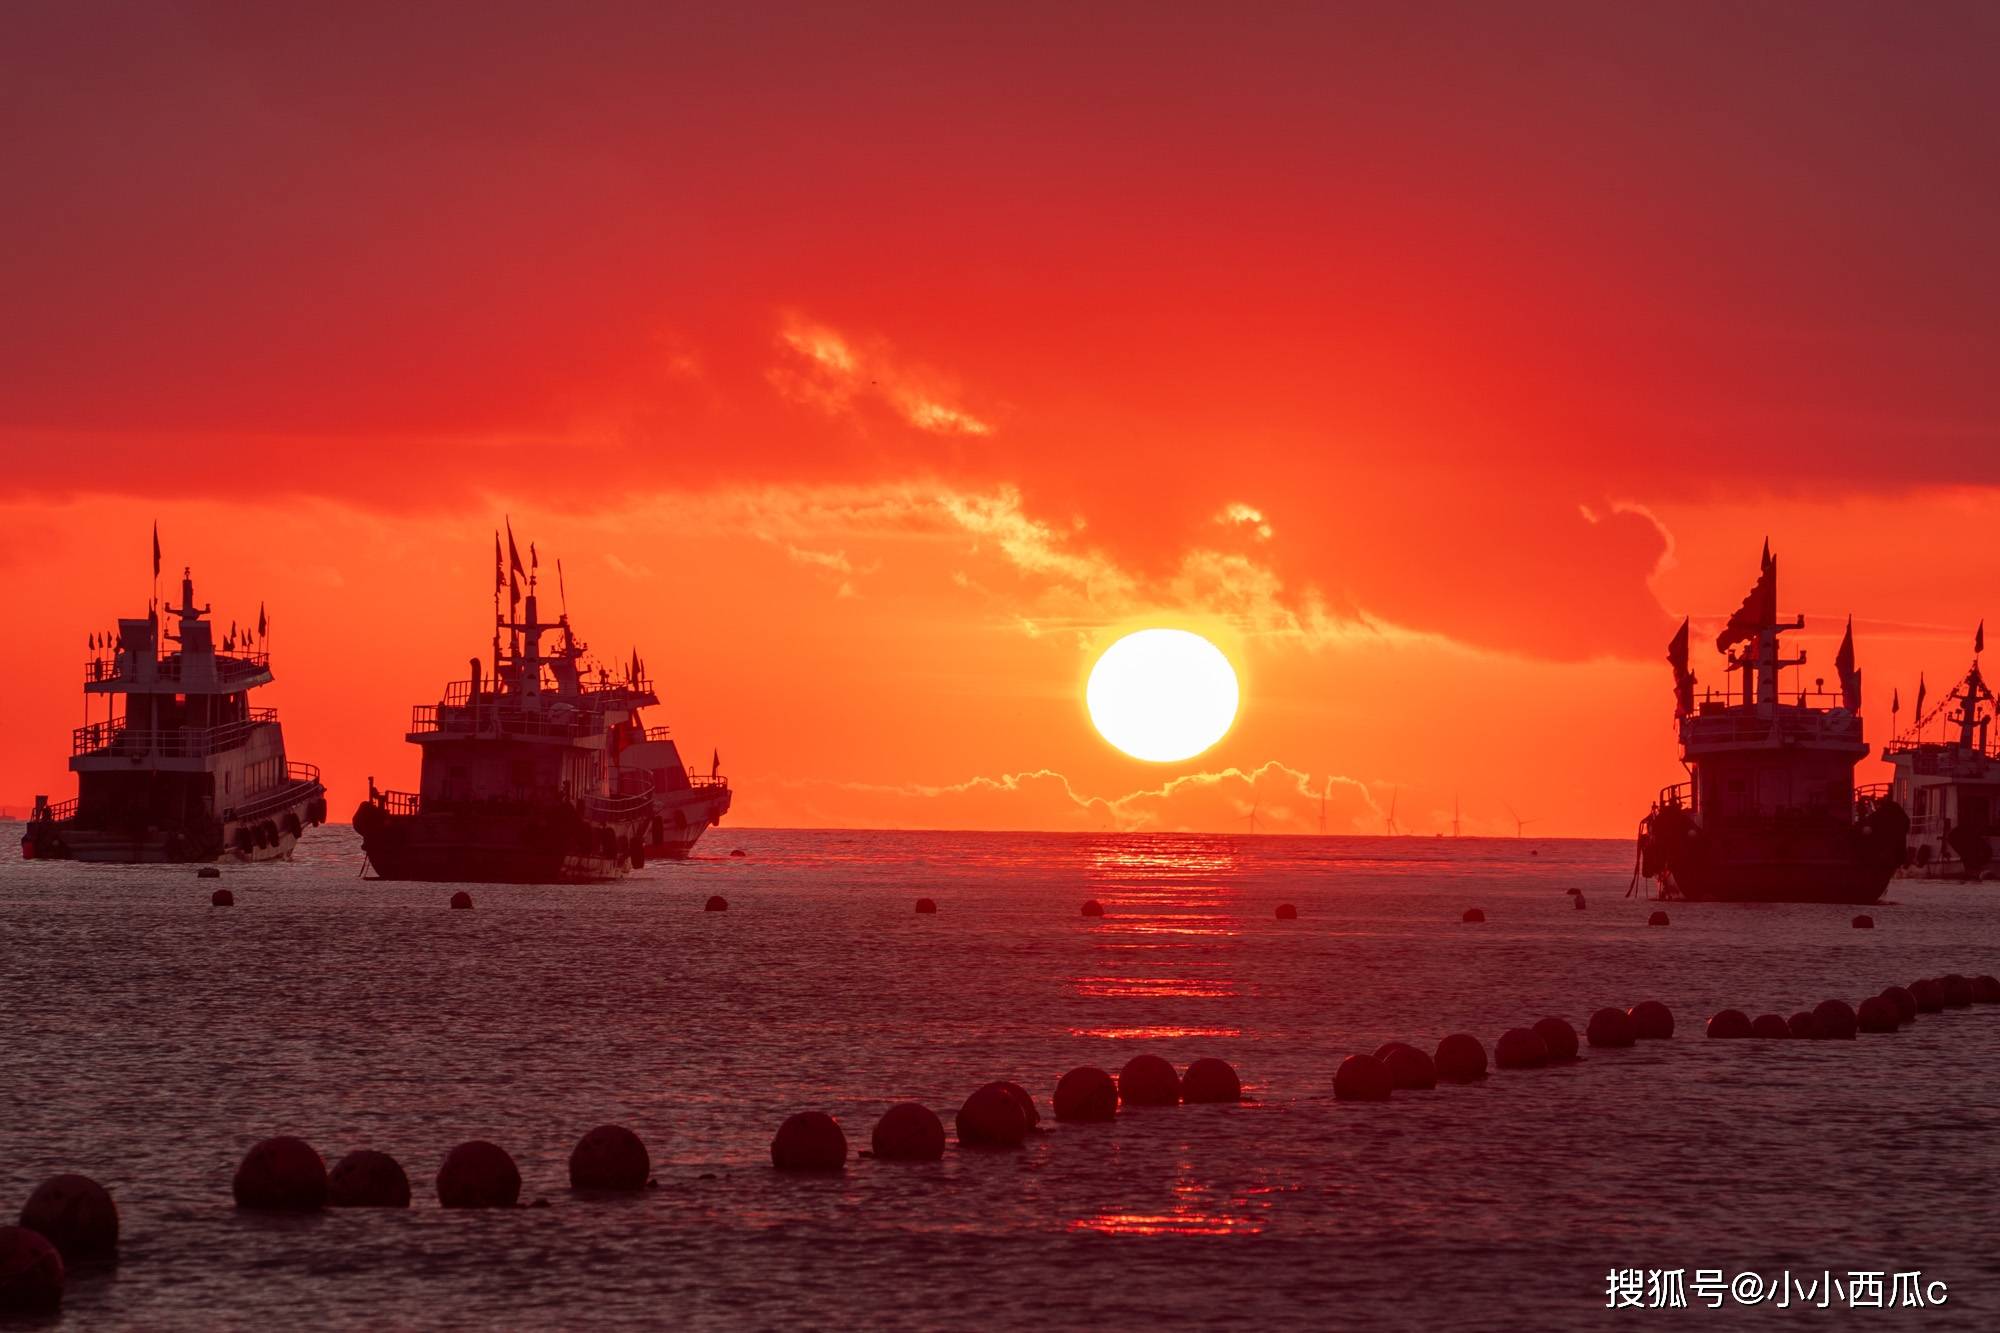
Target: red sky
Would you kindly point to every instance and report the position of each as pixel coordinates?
(869, 367)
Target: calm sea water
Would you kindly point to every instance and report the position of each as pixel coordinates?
(149, 1039)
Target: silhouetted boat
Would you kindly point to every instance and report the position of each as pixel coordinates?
(188, 770)
(543, 773)
(1771, 812)
(1951, 786)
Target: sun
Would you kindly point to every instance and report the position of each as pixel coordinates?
(1162, 695)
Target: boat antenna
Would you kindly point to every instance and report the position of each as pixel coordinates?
(562, 591)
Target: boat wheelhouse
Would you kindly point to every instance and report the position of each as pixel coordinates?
(1947, 775)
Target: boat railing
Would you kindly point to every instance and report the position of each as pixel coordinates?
(474, 719)
(396, 802)
(699, 783)
(239, 665)
(458, 693)
(657, 734)
(1679, 796)
(301, 783)
(60, 811)
(115, 737)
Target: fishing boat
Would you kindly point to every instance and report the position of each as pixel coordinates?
(1947, 775)
(542, 771)
(181, 768)
(1770, 812)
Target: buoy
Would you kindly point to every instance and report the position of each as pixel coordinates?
(1986, 989)
(478, 1174)
(1770, 1027)
(1578, 900)
(1804, 1026)
(208, 872)
(610, 1157)
(1651, 1021)
(1086, 1093)
(282, 1174)
(1929, 995)
(908, 1132)
(1520, 1048)
(1834, 1021)
(809, 1141)
(1409, 1068)
(1093, 908)
(461, 901)
(222, 898)
(1864, 922)
(1020, 1094)
(1729, 1024)
(718, 903)
(1875, 1014)
(1906, 1003)
(1658, 919)
(1209, 1080)
(1473, 916)
(367, 1179)
(1573, 892)
(1460, 1058)
(1287, 912)
(1957, 990)
(76, 1215)
(1610, 1028)
(738, 851)
(1560, 1039)
(1363, 1078)
(991, 1117)
(925, 907)
(1147, 1080)
(31, 1273)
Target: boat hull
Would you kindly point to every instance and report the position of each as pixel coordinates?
(269, 835)
(679, 820)
(1780, 882)
(472, 847)
(1758, 860)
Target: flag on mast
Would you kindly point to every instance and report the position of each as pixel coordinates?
(513, 551)
(715, 764)
(156, 548)
(499, 565)
(1850, 679)
(1677, 657)
(1919, 710)
(1979, 638)
(263, 625)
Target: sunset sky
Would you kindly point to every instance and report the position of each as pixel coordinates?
(870, 367)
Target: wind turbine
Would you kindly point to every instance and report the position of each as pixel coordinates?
(1255, 801)
(1454, 816)
(1519, 823)
(1324, 791)
(1389, 828)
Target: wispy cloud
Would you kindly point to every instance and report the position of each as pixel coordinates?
(825, 369)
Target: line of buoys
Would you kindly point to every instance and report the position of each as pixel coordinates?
(222, 898)
(994, 1117)
(1093, 908)
(1729, 1024)
(461, 901)
(31, 1273)
(1652, 1021)
(908, 1132)
(1472, 916)
(716, 903)
(1148, 1080)
(367, 1179)
(1086, 1094)
(1209, 1081)
(1520, 1048)
(1363, 1078)
(809, 1141)
(1287, 912)
(610, 1158)
(281, 1175)
(1460, 1058)
(925, 907)
(76, 1215)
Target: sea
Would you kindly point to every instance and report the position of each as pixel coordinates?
(149, 1039)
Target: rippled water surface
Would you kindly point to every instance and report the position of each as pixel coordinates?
(149, 1039)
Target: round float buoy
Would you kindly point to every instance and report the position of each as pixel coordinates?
(1804, 1026)
(1560, 1039)
(738, 851)
(1147, 1080)
(925, 907)
(208, 872)
(908, 1132)
(1610, 1028)
(31, 1273)
(718, 903)
(1770, 1027)
(1472, 916)
(809, 1141)
(1986, 989)
(76, 1215)
(1209, 1080)
(1658, 919)
(1651, 1021)
(1287, 912)
(1957, 990)
(1086, 1093)
(478, 1174)
(1093, 908)
(1460, 1058)
(1875, 1014)
(222, 898)
(1929, 995)
(1864, 922)
(1520, 1048)
(1363, 1078)
(1906, 1003)
(1834, 1020)
(1409, 1068)
(367, 1179)
(1729, 1024)
(461, 901)
(281, 1174)
(610, 1157)
(1020, 1094)
(992, 1117)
